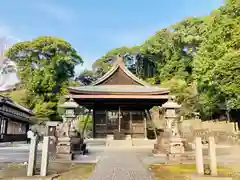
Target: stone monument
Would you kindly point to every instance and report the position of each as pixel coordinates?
(206, 172)
(45, 156)
(169, 141)
(32, 157)
(65, 130)
(52, 133)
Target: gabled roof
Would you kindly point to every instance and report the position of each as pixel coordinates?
(119, 82)
(8, 101)
(119, 64)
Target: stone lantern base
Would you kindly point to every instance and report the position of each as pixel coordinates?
(176, 149)
(162, 144)
(63, 149)
(171, 146)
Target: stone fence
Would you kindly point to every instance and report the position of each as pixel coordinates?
(224, 132)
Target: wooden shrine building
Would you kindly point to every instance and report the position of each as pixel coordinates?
(14, 120)
(119, 101)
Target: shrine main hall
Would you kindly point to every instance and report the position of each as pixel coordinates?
(119, 102)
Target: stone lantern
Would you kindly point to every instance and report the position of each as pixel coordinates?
(66, 130)
(69, 117)
(176, 148)
(171, 116)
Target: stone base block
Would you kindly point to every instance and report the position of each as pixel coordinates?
(155, 151)
(64, 157)
(160, 148)
(196, 177)
(110, 137)
(64, 139)
(63, 149)
(128, 137)
(175, 157)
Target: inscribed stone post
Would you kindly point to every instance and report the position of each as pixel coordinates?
(45, 156)
(32, 156)
(212, 155)
(199, 156)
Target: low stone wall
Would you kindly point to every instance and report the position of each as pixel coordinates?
(191, 124)
(224, 132)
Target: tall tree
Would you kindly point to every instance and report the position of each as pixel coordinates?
(219, 52)
(45, 65)
(86, 77)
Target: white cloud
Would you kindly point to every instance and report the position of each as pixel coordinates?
(56, 11)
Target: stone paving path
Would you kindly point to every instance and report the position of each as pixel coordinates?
(120, 165)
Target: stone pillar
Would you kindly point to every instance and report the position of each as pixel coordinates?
(32, 157)
(45, 156)
(212, 155)
(199, 156)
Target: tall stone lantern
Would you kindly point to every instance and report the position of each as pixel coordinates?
(171, 116)
(176, 148)
(66, 130)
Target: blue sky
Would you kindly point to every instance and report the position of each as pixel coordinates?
(95, 27)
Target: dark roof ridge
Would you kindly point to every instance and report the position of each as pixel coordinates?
(119, 63)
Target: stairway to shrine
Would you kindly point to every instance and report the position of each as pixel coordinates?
(119, 143)
(130, 143)
(143, 142)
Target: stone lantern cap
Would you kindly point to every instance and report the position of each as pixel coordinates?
(170, 104)
(71, 104)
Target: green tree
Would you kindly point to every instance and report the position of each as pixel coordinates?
(219, 50)
(86, 77)
(103, 64)
(45, 66)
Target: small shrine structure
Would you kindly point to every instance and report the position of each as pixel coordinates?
(119, 102)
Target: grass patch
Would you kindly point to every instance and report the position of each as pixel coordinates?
(180, 171)
(82, 171)
(65, 170)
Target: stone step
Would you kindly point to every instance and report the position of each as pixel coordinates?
(119, 143)
(143, 142)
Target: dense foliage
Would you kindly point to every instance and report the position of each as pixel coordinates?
(45, 66)
(198, 58)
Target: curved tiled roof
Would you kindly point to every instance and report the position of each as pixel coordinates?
(119, 89)
(10, 102)
(120, 64)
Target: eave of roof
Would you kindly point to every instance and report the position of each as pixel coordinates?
(118, 89)
(90, 96)
(16, 105)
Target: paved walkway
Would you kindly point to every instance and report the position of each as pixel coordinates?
(120, 165)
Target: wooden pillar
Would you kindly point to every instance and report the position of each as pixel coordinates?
(119, 119)
(6, 126)
(106, 121)
(1, 124)
(130, 123)
(94, 122)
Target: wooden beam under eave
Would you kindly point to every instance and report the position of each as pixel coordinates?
(76, 96)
